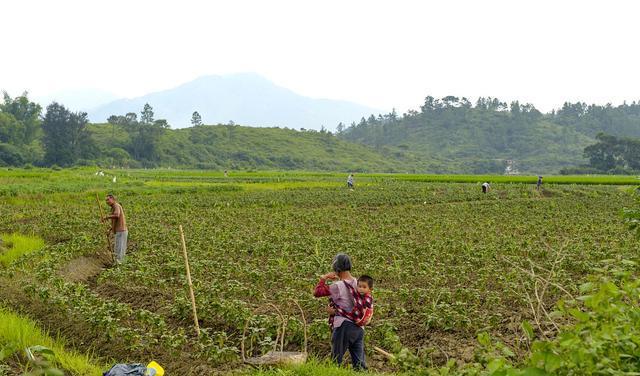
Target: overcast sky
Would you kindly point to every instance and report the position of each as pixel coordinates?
(379, 53)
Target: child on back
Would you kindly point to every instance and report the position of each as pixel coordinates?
(362, 310)
(345, 333)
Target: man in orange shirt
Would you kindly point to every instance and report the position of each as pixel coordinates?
(118, 227)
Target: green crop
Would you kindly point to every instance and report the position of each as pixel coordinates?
(449, 261)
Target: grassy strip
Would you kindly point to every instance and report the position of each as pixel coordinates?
(15, 245)
(311, 368)
(556, 179)
(19, 333)
(17, 182)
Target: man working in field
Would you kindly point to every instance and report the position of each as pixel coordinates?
(118, 227)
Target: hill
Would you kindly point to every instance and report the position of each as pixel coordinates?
(239, 147)
(491, 136)
(243, 98)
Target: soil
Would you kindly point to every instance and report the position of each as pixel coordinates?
(136, 296)
(84, 268)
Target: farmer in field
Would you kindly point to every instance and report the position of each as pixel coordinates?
(350, 181)
(485, 187)
(118, 227)
(539, 184)
(346, 334)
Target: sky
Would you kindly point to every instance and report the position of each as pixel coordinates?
(384, 54)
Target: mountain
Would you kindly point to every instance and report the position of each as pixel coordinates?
(244, 98)
(78, 99)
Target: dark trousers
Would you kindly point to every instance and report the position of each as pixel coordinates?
(348, 336)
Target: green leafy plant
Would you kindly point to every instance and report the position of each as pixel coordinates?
(632, 215)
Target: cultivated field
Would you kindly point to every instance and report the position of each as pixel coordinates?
(449, 262)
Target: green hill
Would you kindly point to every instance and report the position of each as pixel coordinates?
(238, 147)
(457, 137)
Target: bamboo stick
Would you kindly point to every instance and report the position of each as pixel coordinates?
(385, 353)
(193, 298)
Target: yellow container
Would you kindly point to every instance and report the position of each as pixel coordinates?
(154, 369)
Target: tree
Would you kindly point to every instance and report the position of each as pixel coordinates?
(66, 138)
(196, 119)
(26, 113)
(161, 124)
(131, 118)
(146, 116)
(114, 119)
(429, 104)
(514, 107)
(119, 157)
(11, 130)
(145, 134)
(613, 154)
(10, 155)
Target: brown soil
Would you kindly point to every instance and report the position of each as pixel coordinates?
(547, 193)
(14, 367)
(136, 296)
(84, 268)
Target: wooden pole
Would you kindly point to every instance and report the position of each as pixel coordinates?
(110, 255)
(193, 298)
(386, 354)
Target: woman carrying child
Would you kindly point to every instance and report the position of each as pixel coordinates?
(346, 334)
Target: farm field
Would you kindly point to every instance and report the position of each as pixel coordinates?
(449, 262)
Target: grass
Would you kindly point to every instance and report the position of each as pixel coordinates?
(43, 182)
(19, 333)
(16, 245)
(311, 368)
(530, 179)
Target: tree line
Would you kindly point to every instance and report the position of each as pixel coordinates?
(449, 134)
(63, 138)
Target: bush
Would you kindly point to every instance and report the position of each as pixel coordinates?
(604, 338)
(581, 170)
(632, 215)
(86, 162)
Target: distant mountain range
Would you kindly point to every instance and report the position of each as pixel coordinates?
(244, 98)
